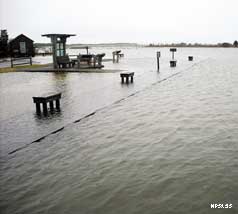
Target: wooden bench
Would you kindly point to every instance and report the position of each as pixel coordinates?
(21, 61)
(49, 98)
(93, 61)
(64, 61)
(127, 76)
(82, 58)
(88, 58)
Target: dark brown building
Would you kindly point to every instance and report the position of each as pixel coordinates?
(21, 46)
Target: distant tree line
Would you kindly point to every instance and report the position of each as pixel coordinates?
(235, 43)
(183, 44)
(3, 43)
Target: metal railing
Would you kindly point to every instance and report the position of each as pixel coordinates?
(21, 61)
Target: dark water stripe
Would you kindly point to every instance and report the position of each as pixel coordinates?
(40, 139)
(118, 101)
(54, 132)
(58, 130)
(76, 121)
(93, 113)
(35, 141)
(18, 149)
(89, 115)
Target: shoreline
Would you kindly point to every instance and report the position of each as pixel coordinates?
(19, 68)
(46, 68)
(177, 46)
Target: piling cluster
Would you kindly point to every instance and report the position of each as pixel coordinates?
(172, 62)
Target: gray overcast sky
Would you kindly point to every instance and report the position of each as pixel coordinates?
(141, 21)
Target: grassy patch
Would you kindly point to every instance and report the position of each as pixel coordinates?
(16, 68)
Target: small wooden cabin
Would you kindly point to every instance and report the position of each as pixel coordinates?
(21, 46)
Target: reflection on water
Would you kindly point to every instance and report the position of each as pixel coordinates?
(165, 144)
(40, 118)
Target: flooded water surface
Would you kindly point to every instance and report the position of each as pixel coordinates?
(165, 144)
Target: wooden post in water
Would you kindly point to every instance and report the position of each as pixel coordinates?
(45, 108)
(51, 106)
(57, 102)
(38, 111)
(127, 79)
(11, 62)
(158, 56)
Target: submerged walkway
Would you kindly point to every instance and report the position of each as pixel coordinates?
(97, 110)
(83, 93)
(173, 143)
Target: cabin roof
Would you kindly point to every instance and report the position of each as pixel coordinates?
(21, 35)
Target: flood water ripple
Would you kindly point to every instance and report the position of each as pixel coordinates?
(91, 114)
(154, 147)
